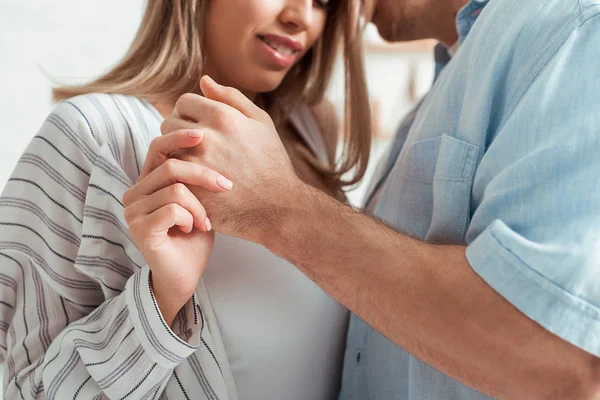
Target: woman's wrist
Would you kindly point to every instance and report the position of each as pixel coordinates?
(168, 305)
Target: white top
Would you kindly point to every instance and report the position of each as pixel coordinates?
(284, 337)
(78, 319)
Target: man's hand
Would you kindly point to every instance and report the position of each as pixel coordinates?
(241, 142)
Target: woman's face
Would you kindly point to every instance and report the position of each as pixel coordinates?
(252, 44)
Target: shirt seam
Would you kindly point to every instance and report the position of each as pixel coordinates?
(548, 281)
(584, 15)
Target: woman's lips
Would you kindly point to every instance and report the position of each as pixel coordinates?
(280, 50)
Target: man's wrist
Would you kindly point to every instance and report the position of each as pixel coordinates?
(290, 210)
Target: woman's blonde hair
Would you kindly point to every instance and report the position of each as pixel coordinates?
(166, 59)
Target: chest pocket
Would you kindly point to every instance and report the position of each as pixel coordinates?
(428, 191)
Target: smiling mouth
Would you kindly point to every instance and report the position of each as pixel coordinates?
(283, 50)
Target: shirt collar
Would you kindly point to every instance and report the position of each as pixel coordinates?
(465, 19)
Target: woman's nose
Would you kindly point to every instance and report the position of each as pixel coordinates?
(298, 14)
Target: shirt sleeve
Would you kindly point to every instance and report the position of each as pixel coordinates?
(76, 323)
(535, 230)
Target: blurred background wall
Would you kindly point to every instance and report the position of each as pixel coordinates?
(74, 41)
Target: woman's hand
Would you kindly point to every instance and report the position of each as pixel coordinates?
(168, 223)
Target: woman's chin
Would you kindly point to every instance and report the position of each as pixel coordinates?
(265, 83)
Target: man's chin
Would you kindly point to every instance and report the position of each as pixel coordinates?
(385, 28)
(393, 31)
(386, 33)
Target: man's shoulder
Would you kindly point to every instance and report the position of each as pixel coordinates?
(513, 40)
(534, 22)
(556, 15)
(524, 36)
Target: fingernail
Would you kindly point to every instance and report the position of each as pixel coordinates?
(224, 182)
(195, 133)
(208, 225)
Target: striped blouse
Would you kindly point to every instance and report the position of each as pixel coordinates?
(77, 316)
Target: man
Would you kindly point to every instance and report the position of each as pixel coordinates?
(487, 281)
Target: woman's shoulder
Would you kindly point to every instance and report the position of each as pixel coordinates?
(111, 129)
(105, 118)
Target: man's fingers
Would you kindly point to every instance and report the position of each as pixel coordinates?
(173, 171)
(162, 146)
(196, 109)
(173, 124)
(230, 96)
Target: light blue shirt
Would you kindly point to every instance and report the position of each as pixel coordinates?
(503, 157)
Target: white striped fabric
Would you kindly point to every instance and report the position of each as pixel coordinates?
(77, 316)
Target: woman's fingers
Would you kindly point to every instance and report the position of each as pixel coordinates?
(163, 219)
(177, 193)
(173, 171)
(162, 146)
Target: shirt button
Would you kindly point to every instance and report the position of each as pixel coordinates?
(358, 357)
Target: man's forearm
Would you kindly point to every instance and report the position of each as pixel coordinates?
(428, 300)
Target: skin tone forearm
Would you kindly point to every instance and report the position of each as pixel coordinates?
(428, 300)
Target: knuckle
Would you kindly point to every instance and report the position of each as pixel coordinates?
(127, 214)
(134, 227)
(223, 120)
(204, 174)
(184, 100)
(172, 209)
(171, 167)
(125, 198)
(128, 197)
(154, 144)
(168, 125)
(179, 190)
(187, 97)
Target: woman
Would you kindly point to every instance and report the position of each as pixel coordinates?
(82, 310)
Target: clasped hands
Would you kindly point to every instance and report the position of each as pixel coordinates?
(218, 164)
